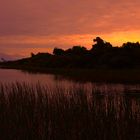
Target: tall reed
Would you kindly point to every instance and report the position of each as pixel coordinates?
(35, 112)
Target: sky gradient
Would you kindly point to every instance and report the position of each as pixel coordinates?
(40, 25)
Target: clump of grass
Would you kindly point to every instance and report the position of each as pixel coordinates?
(43, 113)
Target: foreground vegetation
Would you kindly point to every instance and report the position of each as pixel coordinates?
(42, 113)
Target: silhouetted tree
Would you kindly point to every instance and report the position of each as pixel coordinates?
(130, 45)
(100, 44)
(68, 51)
(98, 40)
(102, 55)
(79, 50)
(108, 45)
(32, 54)
(58, 51)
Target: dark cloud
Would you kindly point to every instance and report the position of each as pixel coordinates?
(45, 17)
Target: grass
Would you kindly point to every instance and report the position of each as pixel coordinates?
(30, 112)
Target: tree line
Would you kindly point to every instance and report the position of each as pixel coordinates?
(101, 55)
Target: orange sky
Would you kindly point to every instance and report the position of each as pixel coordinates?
(40, 25)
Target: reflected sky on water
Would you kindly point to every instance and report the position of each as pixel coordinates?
(11, 76)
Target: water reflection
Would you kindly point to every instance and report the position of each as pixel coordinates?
(11, 76)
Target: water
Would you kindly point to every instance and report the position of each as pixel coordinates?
(12, 76)
(100, 110)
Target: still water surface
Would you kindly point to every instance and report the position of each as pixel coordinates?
(11, 76)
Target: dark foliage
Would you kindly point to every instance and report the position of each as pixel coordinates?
(102, 55)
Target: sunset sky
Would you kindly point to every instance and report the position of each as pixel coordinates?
(40, 25)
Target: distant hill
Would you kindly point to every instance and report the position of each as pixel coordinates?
(7, 57)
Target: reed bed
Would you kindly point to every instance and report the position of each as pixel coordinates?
(35, 112)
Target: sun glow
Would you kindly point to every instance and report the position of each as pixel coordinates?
(47, 43)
